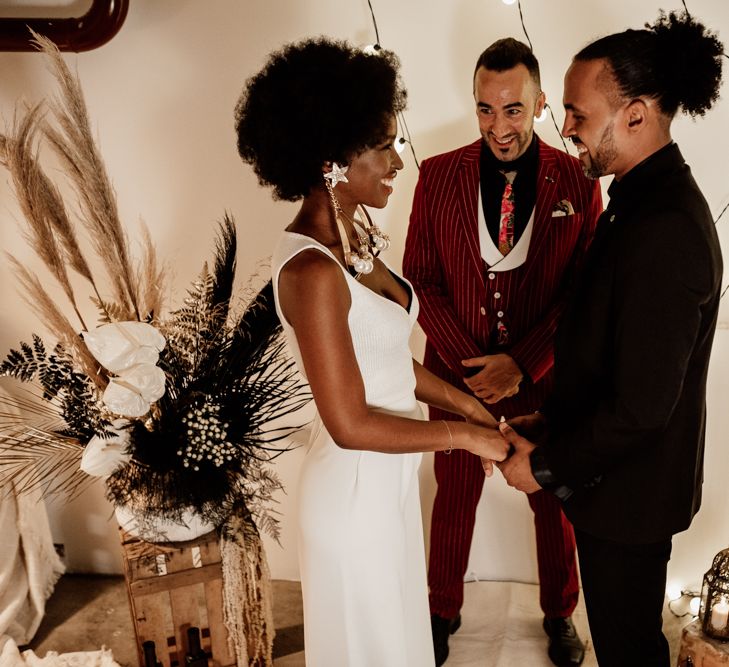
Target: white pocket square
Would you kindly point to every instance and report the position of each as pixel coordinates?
(563, 208)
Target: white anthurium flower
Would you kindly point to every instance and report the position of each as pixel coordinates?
(102, 456)
(121, 345)
(131, 393)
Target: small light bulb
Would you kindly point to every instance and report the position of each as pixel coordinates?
(372, 49)
(400, 144)
(508, 2)
(542, 116)
(673, 591)
(694, 606)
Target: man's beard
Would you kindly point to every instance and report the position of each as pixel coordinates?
(605, 154)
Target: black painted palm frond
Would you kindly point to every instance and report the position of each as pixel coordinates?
(229, 384)
(215, 431)
(175, 464)
(23, 364)
(226, 246)
(71, 392)
(257, 329)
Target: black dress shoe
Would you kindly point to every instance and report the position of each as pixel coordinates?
(442, 627)
(565, 647)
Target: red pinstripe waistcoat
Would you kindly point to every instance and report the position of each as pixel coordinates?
(460, 299)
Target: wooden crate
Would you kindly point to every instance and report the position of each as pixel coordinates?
(698, 650)
(174, 586)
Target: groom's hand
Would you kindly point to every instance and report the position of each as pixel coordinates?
(517, 468)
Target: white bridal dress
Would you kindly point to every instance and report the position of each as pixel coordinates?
(361, 548)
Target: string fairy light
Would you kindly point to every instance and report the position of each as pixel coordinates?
(718, 217)
(374, 23)
(690, 599)
(404, 134)
(521, 18)
(547, 107)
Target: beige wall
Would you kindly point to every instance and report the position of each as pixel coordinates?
(161, 96)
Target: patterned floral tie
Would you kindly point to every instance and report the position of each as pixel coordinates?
(506, 221)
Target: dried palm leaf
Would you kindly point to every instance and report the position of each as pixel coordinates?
(151, 280)
(33, 459)
(34, 191)
(48, 312)
(75, 147)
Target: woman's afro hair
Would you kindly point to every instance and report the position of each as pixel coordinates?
(315, 101)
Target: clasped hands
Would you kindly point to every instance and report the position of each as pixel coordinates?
(499, 377)
(516, 468)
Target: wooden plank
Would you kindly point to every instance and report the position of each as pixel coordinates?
(176, 580)
(222, 656)
(189, 594)
(185, 604)
(153, 622)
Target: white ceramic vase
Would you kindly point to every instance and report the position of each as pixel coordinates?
(189, 528)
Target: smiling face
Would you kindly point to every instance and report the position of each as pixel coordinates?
(506, 103)
(592, 118)
(371, 174)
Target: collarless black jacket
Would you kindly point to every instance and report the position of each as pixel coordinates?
(628, 412)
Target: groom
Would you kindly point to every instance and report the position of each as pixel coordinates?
(624, 448)
(497, 232)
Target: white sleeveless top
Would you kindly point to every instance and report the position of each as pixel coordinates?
(380, 330)
(360, 535)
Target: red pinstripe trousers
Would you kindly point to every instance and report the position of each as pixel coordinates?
(460, 479)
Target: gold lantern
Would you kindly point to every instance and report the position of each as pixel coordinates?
(714, 612)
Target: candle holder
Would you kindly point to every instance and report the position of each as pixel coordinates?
(714, 611)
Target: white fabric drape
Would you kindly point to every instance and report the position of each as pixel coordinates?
(29, 565)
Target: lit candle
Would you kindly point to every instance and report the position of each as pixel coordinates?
(694, 606)
(720, 615)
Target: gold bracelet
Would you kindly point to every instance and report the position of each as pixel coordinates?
(450, 435)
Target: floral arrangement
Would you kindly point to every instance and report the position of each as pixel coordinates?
(174, 410)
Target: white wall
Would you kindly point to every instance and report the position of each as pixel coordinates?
(161, 97)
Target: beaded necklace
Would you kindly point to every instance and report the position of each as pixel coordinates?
(371, 242)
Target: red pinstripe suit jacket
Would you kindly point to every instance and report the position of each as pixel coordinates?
(460, 297)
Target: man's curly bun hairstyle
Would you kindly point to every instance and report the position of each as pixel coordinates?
(315, 101)
(676, 61)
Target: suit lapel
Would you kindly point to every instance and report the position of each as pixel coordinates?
(468, 185)
(547, 180)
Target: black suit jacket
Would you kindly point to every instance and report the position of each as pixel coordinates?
(628, 411)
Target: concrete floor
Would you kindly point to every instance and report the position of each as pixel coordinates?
(502, 624)
(88, 611)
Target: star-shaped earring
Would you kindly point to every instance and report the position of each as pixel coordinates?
(336, 175)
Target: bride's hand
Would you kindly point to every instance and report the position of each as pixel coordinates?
(488, 443)
(475, 412)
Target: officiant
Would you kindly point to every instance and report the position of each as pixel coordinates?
(497, 232)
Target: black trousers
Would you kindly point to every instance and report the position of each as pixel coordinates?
(624, 587)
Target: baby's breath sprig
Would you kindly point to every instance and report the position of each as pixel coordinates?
(206, 437)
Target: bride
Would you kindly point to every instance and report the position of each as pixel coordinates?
(317, 124)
